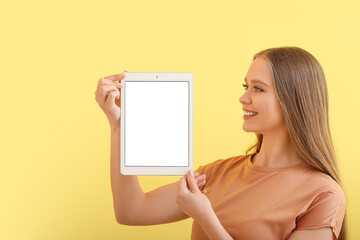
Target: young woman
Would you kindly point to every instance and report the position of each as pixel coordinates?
(287, 188)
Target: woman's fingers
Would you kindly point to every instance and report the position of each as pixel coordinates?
(191, 182)
(187, 183)
(103, 92)
(116, 77)
(111, 79)
(108, 84)
(107, 95)
(200, 179)
(200, 184)
(111, 97)
(103, 81)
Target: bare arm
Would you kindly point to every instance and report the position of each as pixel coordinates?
(160, 206)
(132, 206)
(127, 193)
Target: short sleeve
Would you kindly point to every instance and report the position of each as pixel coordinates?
(204, 169)
(326, 210)
(208, 169)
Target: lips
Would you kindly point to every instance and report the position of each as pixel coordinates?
(247, 110)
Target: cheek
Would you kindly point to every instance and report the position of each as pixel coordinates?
(275, 110)
(269, 110)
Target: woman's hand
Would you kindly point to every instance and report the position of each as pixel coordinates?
(190, 199)
(200, 180)
(107, 95)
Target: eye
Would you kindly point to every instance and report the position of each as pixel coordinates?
(258, 89)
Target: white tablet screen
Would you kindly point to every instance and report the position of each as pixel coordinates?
(156, 123)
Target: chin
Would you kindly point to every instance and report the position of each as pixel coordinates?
(249, 129)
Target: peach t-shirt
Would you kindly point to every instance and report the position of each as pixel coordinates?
(255, 202)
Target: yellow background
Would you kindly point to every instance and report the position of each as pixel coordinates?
(55, 139)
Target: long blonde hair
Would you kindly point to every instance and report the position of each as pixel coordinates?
(301, 88)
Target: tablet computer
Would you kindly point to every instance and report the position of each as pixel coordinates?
(156, 133)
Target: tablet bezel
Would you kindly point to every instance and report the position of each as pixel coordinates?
(155, 170)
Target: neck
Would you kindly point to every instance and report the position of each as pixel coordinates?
(277, 150)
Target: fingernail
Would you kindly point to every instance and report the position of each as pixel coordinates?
(191, 173)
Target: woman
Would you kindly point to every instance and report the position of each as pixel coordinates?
(288, 188)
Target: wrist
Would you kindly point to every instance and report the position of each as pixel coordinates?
(115, 128)
(207, 218)
(114, 125)
(213, 227)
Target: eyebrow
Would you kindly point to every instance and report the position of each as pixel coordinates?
(257, 81)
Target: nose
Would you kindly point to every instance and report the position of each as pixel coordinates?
(245, 99)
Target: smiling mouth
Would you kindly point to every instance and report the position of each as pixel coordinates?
(250, 113)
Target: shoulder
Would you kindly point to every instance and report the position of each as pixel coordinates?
(322, 183)
(325, 189)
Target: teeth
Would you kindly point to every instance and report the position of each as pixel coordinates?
(249, 113)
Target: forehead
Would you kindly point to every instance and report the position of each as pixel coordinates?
(260, 69)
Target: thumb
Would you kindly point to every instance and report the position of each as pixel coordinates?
(191, 182)
(182, 186)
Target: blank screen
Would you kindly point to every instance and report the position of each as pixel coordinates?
(156, 124)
